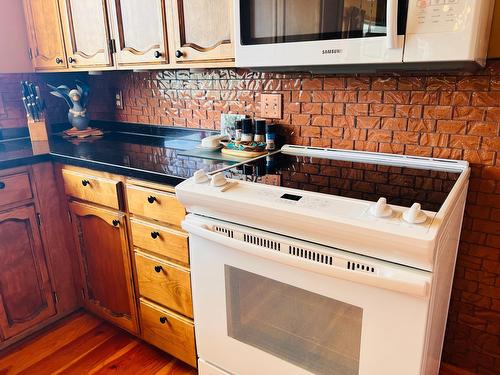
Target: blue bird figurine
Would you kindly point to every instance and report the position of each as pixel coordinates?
(77, 100)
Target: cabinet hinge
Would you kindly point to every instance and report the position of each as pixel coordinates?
(55, 297)
(30, 53)
(83, 293)
(39, 219)
(112, 46)
(69, 217)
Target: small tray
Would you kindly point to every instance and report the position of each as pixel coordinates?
(243, 154)
(90, 132)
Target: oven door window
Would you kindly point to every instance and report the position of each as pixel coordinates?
(282, 21)
(316, 333)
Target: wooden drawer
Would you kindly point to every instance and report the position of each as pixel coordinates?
(155, 204)
(164, 283)
(15, 188)
(168, 331)
(160, 240)
(92, 189)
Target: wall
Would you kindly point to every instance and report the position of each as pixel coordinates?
(444, 115)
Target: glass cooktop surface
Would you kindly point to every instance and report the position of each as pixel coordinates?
(400, 185)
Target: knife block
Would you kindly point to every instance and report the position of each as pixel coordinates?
(38, 130)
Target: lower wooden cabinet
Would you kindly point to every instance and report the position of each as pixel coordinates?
(101, 239)
(26, 298)
(169, 331)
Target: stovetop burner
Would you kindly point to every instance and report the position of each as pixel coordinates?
(400, 185)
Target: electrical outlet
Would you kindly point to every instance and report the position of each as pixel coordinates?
(119, 99)
(270, 105)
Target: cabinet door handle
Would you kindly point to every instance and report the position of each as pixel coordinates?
(152, 199)
(85, 182)
(163, 319)
(155, 235)
(158, 269)
(2, 185)
(157, 54)
(58, 60)
(115, 223)
(179, 54)
(71, 60)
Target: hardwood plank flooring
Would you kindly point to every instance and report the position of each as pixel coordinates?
(84, 344)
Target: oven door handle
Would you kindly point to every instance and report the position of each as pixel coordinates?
(392, 24)
(404, 282)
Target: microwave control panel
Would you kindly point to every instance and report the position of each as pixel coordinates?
(437, 16)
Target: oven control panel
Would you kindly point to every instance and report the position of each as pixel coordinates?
(436, 16)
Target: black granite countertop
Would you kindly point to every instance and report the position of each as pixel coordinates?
(19, 152)
(139, 151)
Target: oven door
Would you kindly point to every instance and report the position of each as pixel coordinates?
(260, 311)
(319, 32)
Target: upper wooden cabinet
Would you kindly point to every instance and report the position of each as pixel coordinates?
(101, 238)
(139, 31)
(129, 34)
(202, 30)
(25, 290)
(85, 25)
(45, 34)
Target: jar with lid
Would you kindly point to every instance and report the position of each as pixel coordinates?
(271, 137)
(260, 131)
(247, 130)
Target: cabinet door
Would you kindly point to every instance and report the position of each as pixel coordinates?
(86, 33)
(139, 31)
(25, 290)
(203, 30)
(101, 238)
(45, 34)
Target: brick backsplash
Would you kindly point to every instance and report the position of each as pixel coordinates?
(449, 115)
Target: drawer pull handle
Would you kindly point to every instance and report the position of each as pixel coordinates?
(151, 199)
(2, 185)
(155, 235)
(85, 182)
(116, 223)
(158, 269)
(163, 319)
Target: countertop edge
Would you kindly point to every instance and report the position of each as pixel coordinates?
(117, 169)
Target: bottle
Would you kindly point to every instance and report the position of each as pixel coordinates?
(260, 131)
(247, 130)
(271, 137)
(238, 130)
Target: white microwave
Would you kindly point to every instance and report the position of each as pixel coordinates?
(322, 34)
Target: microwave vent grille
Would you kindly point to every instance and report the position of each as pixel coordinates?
(311, 255)
(262, 241)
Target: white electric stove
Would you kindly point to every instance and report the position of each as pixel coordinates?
(324, 261)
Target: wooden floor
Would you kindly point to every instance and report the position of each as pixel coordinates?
(84, 344)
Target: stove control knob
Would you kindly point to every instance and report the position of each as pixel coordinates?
(200, 176)
(218, 180)
(381, 208)
(415, 215)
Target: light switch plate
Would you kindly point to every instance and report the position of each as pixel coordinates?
(119, 99)
(270, 105)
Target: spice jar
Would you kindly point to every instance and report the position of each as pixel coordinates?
(238, 130)
(271, 137)
(247, 130)
(260, 131)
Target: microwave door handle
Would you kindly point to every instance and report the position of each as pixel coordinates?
(392, 24)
